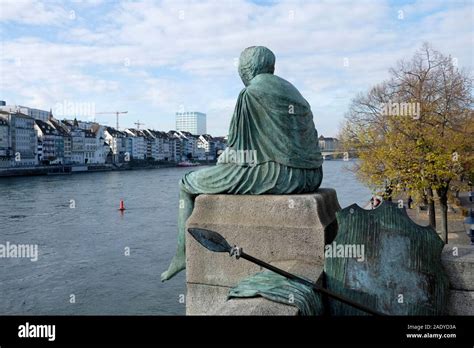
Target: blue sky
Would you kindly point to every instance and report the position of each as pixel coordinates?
(153, 58)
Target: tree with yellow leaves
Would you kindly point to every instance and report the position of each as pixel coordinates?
(415, 132)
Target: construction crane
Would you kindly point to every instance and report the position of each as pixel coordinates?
(113, 112)
(138, 123)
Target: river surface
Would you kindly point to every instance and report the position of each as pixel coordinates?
(91, 258)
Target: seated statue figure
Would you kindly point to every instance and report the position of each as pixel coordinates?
(272, 145)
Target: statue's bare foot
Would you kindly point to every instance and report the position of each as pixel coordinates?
(176, 266)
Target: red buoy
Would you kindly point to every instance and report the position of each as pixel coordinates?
(122, 205)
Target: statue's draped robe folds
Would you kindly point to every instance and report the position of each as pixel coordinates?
(272, 118)
(274, 122)
(272, 145)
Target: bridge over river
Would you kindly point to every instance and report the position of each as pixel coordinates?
(328, 155)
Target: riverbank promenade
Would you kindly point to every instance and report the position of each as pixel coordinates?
(456, 229)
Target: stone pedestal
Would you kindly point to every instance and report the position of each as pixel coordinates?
(458, 261)
(289, 231)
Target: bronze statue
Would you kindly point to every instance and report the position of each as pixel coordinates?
(272, 147)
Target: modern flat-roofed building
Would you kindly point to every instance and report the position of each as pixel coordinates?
(192, 122)
(37, 114)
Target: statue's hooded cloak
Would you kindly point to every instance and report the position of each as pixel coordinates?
(273, 123)
(271, 116)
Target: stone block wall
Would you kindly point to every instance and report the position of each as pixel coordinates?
(458, 261)
(288, 231)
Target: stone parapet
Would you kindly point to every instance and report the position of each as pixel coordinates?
(289, 231)
(458, 261)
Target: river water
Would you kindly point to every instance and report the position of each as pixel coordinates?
(91, 258)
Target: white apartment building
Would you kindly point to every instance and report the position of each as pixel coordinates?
(192, 122)
(152, 144)
(67, 140)
(4, 139)
(174, 146)
(78, 145)
(4, 143)
(117, 142)
(22, 141)
(208, 146)
(37, 114)
(160, 145)
(101, 147)
(188, 144)
(165, 147)
(138, 143)
(90, 147)
(52, 143)
(39, 152)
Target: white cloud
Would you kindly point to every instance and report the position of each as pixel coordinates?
(32, 12)
(155, 56)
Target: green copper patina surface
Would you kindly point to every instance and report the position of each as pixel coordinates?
(277, 288)
(272, 147)
(401, 271)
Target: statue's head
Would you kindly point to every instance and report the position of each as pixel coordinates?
(255, 60)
